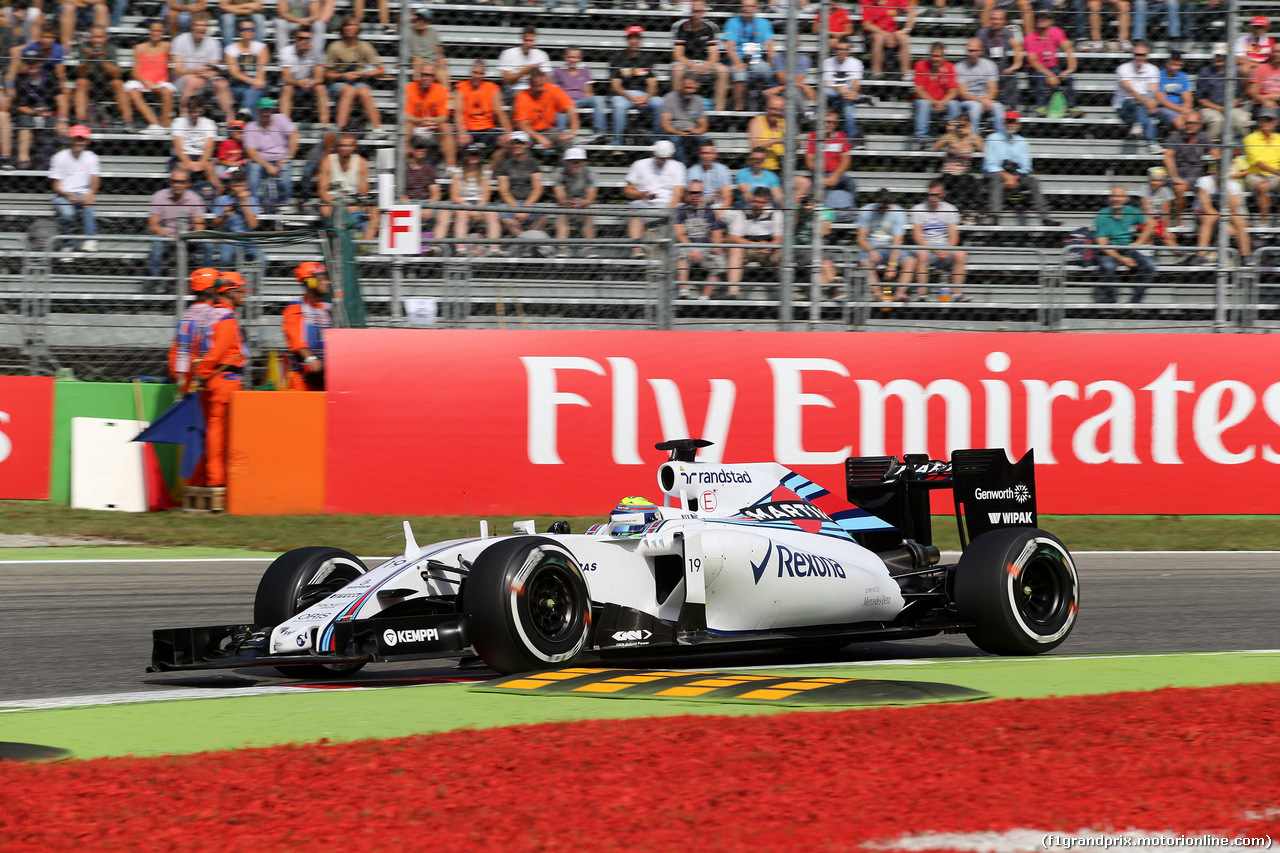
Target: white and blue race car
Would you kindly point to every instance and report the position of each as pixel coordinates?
(736, 556)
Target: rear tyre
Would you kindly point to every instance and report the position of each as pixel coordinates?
(529, 605)
(296, 580)
(1020, 589)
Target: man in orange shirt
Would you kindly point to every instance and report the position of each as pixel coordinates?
(221, 368)
(426, 108)
(478, 112)
(186, 340)
(536, 108)
(305, 322)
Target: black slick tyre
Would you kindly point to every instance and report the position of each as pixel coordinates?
(296, 580)
(1020, 588)
(529, 605)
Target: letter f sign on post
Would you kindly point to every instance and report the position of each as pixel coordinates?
(401, 232)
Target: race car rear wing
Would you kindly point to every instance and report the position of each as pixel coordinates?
(988, 490)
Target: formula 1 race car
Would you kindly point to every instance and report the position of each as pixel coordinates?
(738, 556)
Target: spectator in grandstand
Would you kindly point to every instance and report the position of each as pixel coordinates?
(977, 82)
(236, 212)
(634, 85)
(769, 132)
(473, 187)
(754, 176)
(179, 15)
(233, 14)
(81, 15)
(1156, 199)
(882, 227)
(302, 77)
(575, 79)
(271, 142)
(748, 48)
(1262, 150)
(420, 186)
(425, 51)
(426, 110)
(1007, 165)
(653, 183)
(45, 52)
(519, 184)
(21, 19)
(538, 109)
(574, 185)
(1002, 44)
(384, 14)
(936, 93)
(936, 223)
(39, 104)
(804, 247)
(150, 75)
(1184, 154)
(839, 24)
(174, 210)
(349, 66)
(478, 111)
(1208, 205)
(197, 63)
(99, 75)
(293, 15)
(842, 86)
(1211, 96)
(716, 179)
(960, 146)
(1254, 47)
(230, 153)
(684, 120)
(1176, 94)
(1135, 98)
(1173, 28)
(840, 190)
(698, 223)
(695, 51)
(247, 62)
(800, 79)
(1121, 15)
(880, 32)
(754, 236)
(517, 63)
(344, 177)
(1045, 65)
(76, 173)
(194, 142)
(1264, 81)
(1119, 229)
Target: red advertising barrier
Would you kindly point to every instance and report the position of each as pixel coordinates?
(438, 421)
(26, 433)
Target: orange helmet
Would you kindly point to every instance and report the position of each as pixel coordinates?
(230, 281)
(307, 272)
(203, 279)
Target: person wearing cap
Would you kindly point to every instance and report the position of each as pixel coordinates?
(99, 75)
(1262, 150)
(349, 66)
(1046, 66)
(633, 82)
(1184, 155)
(302, 76)
(1119, 229)
(575, 79)
(538, 110)
(1211, 96)
(1264, 82)
(697, 223)
(515, 64)
(203, 283)
(748, 51)
(1254, 47)
(653, 182)
(425, 50)
(479, 114)
(420, 186)
(39, 103)
(222, 356)
(519, 184)
(574, 185)
(271, 143)
(473, 188)
(1157, 201)
(247, 61)
(150, 76)
(1006, 161)
(236, 212)
(684, 120)
(427, 111)
(173, 210)
(305, 323)
(695, 50)
(76, 173)
(1135, 99)
(197, 63)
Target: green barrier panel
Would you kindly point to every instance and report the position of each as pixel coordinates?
(75, 399)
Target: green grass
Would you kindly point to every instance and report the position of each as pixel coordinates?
(379, 534)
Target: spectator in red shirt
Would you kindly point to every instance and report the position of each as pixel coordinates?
(838, 24)
(880, 30)
(1264, 82)
(936, 92)
(841, 190)
(230, 152)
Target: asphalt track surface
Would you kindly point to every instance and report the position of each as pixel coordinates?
(78, 628)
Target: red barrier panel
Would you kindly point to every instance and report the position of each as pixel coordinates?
(511, 422)
(26, 435)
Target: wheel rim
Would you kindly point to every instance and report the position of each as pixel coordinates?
(553, 604)
(1044, 592)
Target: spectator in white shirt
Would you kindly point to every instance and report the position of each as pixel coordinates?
(1137, 83)
(936, 223)
(75, 172)
(302, 76)
(515, 63)
(842, 84)
(755, 234)
(197, 62)
(195, 138)
(653, 182)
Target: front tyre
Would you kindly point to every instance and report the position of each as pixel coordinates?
(295, 581)
(529, 605)
(1020, 589)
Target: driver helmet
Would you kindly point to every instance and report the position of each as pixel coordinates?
(634, 513)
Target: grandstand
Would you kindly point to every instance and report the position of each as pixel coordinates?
(99, 313)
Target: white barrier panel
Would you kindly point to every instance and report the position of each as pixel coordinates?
(401, 232)
(106, 465)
